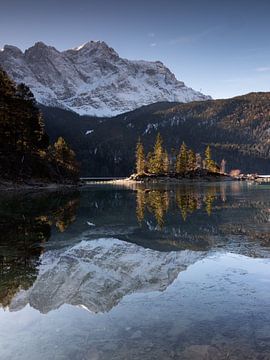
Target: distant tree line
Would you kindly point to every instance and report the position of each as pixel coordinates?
(160, 162)
(236, 129)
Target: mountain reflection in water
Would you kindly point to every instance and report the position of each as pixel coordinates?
(188, 217)
(165, 272)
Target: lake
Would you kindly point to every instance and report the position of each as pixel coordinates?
(136, 272)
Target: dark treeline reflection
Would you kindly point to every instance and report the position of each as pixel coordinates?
(26, 223)
(198, 217)
(186, 199)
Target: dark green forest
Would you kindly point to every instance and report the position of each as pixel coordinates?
(25, 151)
(237, 130)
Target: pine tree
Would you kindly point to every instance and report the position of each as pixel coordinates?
(166, 162)
(24, 151)
(23, 92)
(181, 161)
(65, 158)
(149, 162)
(63, 153)
(208, 158)
(198, 161)
(155, 161)
(7, 87)
(210, 165)
(140, 160)
(191, 160)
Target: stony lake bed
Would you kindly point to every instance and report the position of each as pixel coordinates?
(136, 272)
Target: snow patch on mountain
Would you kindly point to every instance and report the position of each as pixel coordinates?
(88, 132)
(92, 79)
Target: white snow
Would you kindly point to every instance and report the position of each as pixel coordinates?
(97, 274)
(92, 79)
(89, 132)
(80, 47)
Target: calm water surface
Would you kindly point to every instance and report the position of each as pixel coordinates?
(136, 273)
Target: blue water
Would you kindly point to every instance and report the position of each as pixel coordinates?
(136, 273)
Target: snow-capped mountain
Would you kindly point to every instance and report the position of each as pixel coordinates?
(92, 79)
(97, 274)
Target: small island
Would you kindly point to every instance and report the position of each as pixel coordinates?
(160, 166)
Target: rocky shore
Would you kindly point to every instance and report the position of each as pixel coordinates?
(197, 175)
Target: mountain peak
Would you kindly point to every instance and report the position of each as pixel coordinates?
(13, 50)
(90, 44)
(40, 44)
(40, 48)
(96, 47)
(92, 79)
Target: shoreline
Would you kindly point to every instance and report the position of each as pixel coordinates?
(35, 185)
(134, 179)
(150, 179)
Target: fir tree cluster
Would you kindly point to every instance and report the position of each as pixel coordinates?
(25, 152)
(160, 162)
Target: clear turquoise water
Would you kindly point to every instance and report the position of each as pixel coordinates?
(136, 273)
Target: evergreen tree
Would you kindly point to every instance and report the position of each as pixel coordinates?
(198, 161)
(7, 87)
(140, 161)
(181, 161)
(149, 162)
(191, 160)
(65, 159)
(210, 165)
(208, 158)
(155, 161)
(23, 92)
(166, 162)
(24, 151)
(63, 153)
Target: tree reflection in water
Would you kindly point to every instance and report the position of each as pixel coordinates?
(186, 199)
(25, 226)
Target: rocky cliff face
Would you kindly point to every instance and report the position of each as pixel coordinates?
(92, 79)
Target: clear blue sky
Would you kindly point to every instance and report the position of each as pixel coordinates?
(220, 47)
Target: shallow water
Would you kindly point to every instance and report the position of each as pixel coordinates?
(178, 272)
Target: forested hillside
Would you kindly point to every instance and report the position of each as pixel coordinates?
(25, 153)
(237, 129)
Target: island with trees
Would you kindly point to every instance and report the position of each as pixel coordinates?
(159, 165)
